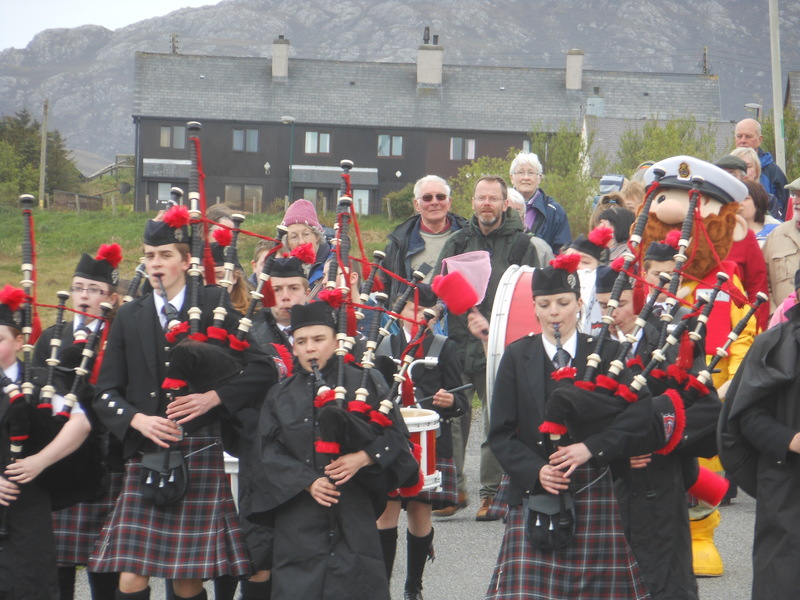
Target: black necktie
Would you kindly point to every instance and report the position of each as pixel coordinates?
(561, 358)
(169, 312)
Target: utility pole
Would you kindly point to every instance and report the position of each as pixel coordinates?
(777, 87)
(43, 156)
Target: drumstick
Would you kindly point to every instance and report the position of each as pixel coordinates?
(455, 390)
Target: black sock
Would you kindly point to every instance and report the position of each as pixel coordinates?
(417, 553)
(103, 585)
(388, 539)
(66, 583)
(142, 595)
(256, 590)
(225, 587)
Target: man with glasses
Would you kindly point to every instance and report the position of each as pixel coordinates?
(782, 252)
(496, 228)
(544, 217)
(419, 239)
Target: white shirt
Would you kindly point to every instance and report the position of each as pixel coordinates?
(570, 345)
(177, 301)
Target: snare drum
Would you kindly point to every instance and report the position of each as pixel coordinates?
(512, 318)
(423, 425)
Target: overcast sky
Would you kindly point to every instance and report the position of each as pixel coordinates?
(20, 20)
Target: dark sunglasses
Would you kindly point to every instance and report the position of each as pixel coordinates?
(429, 197)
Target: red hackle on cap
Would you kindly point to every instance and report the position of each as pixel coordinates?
(111, 253)
(334, 298)
(304, 253)
(567, 262)
(600, 236)
(177, 216)
(222, 236)
(12, 297)
(673, 237)
(454, 290)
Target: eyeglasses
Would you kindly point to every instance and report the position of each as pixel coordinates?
(526, 173)
(794, 193)
(92, 291)
(430, 197)
(492, 199)
(305, 236)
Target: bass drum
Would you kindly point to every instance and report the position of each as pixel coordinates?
(512, 318)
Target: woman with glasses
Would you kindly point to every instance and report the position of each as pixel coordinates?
(304, 228)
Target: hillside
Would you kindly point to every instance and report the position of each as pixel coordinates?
(87, 72)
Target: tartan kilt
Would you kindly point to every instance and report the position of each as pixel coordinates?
(197, 537)
(598, 564)
(498, 509)
(448, 496)
(77, 528)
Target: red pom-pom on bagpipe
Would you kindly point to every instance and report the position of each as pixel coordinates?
(15, 397)
(567, 262)
(12, 297)
(323, 398)
(678, 426)
(223, 236)
(268, 294)
(379, 418)
(413, 490)
(323, 447)
(626, 393)
(709, 487)
(217, 333)
(606, 383)
(111, 253)
(455, 291)
(600, 236)
(673, 238)
(636, 361)
(549, 427)
(349, 358)
(172, 334)
(173, 384)
(304, 253)
(586, 385)
(334, 297)
(677, 373)
(45, 406)
(285, 358)
(659, 374)
(564, 373)
(237, 344)
(177, 216)
(199, 337)
(377, 284)
(618, 263)
(18, 438)
(693, 383)
(357, 406)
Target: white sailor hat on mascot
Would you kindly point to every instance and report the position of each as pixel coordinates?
(680, 175)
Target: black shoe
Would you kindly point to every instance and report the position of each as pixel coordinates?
(413, 590)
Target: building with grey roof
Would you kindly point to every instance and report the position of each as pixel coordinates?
(271, 124)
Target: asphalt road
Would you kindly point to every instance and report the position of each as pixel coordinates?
(466, 550)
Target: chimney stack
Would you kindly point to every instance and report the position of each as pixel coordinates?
(430, 58)
(575, 69)
(280, 58)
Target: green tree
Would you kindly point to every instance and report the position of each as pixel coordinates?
(791, 135)
(462, 184)
(657, 140)
(400, 203)
(563, 156)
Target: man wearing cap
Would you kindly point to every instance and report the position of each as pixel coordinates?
(142, 539)
(718, 205)
(418, 240)
(748, 135)
(782, 252)
(273, 325)
(496, 228)
(323, 503)
(733, 165)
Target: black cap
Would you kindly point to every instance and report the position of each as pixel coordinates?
(218, 254)
(661, 252)
(582, 244)
(552, 280)
(11, 299)
(729, 162)
(172, 229)
(288, 267)
(606, 278)
(316, 313)
(102, 267)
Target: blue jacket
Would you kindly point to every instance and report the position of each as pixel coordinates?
(773, 179)
(551, 222)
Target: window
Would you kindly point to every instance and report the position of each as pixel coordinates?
(172, 137)
(318, 143)
(245, 140)
(462, 149)
(390, 145)
(163, 192)
(243, 197)
(361, 201)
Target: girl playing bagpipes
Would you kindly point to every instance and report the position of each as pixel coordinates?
(432, 387)
(523, 386)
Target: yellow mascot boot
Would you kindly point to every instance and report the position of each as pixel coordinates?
(706, 560)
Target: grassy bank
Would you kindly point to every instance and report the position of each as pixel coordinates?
(61, 238)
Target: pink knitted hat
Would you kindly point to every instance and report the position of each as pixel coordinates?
(301, 211)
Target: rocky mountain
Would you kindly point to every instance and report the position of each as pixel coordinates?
(87, 72)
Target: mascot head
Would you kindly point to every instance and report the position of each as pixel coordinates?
(717, 224)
